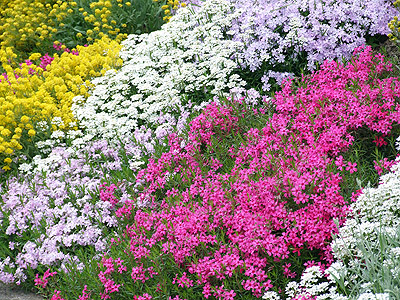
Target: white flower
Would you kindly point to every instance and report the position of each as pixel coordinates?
(25, 167)
(271, 295)
(371, 296)
(57, 134)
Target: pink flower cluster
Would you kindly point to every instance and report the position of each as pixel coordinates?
(42, 282)
(107, 193)
(109, 285)
(383, 165)
(84, 296)
(59, 47)
(279, 199)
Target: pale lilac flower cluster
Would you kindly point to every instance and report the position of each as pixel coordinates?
(276, 32)
(55, 207)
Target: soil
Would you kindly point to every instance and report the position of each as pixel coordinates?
(13, 293)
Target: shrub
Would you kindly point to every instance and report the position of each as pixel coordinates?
(28, 26)
(52, 211)
(30, 95)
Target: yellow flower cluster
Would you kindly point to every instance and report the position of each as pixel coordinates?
(169, 7)
(26, 99)
(25, 24)
(394, 25)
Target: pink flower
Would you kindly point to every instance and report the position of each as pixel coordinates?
(42, 282)
(287, 272)
(84, 295)
(380, 141)
(351, 167)
(56, 296)
(144, 297)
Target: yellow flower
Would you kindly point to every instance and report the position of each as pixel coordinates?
(25, 119)
(5, 132)
(8, 160)
(31, 132)
(35, 56)
(127, 3)
(6, 168)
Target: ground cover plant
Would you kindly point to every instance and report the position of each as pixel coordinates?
(43, 80)
(232, 218)
(33, 25)
(175, 176)
(42, 89)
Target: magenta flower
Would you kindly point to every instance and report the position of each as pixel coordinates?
(380, 141)
(42, 282)
(56, 296)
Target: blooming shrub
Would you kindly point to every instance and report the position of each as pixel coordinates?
(89, 20)
(31, 94)
(53, 210)
(281, 34)
(160, 73)
(240, 222)
(194, 55)
(28, 26)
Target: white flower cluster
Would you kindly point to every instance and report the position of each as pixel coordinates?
(191, 54)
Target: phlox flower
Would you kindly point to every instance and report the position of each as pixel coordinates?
(145, 296)
(42, 282)
(379, 141)
(56, 295)
(351, 167)
(84, 296)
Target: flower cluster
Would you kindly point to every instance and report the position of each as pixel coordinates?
(280, 34)
(161, 71)
(58, 192)
(26, 24)
(42, 282)
(87, 21)
(170, 8)
(42, 88)
(272, 202)
(29, 26)
(394, 25)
